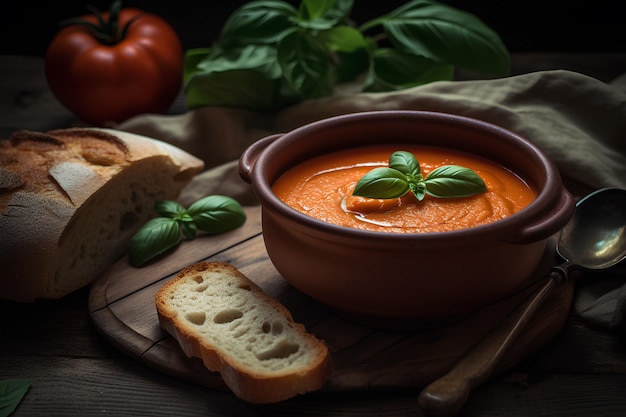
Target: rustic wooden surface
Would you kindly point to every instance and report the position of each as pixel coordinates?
(78, 372)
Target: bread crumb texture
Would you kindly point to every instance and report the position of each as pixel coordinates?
(225, 310)
(251, 332)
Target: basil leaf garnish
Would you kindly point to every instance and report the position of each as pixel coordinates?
(404, 175)
(212, 214)
(155, 237)
(453, 181)
(382, 183)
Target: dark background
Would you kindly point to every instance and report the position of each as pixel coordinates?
(26, 26)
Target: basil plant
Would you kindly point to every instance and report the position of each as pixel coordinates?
(271, 54)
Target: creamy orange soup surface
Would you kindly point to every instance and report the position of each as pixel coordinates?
(322, 188)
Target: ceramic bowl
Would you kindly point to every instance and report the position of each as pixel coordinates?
(397, 280)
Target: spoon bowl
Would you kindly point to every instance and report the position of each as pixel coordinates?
(594, 240)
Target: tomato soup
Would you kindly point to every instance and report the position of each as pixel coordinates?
(322, 188)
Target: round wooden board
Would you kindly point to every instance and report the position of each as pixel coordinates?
(121, 305)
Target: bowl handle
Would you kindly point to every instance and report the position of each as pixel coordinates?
(551, 222)
(250, 155)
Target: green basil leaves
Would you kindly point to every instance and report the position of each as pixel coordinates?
(404, 175)
(271, 54)
(213, 214)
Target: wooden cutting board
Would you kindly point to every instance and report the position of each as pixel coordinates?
(121, 305)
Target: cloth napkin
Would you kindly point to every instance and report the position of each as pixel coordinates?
(579, 121)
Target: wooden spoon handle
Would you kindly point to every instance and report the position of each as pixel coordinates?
(446, 395)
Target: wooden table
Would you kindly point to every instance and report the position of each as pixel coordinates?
(77, 372)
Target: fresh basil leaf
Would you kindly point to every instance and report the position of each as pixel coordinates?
(395, 70)
(12, 391)
(168, 208)
(210, 203)
(217, 214)
(154, 238)
(323, 14)
(447, 35)
(258, 22)
(454, 181)
(382, 183)
(404, 162)
(306, 65)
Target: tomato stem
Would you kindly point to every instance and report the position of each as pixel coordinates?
(106, 31)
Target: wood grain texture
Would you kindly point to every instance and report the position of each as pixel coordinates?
(121, 305)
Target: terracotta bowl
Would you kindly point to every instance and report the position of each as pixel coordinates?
(406, 280)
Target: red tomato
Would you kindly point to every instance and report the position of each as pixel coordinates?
(110, 81)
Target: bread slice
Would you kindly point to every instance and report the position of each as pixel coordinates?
(71, 199)
(219, 315)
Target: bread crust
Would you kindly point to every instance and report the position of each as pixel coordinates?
(59, 189)
(247, 379)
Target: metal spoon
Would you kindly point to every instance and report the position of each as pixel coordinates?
(593, 240)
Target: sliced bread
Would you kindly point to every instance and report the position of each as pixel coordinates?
(219, 315)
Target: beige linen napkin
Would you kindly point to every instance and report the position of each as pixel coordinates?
(579, 121)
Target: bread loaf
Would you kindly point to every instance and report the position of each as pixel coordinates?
(71, 199)
(219, 315)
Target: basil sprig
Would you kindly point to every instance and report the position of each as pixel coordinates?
(404, 175)
(213, 214)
